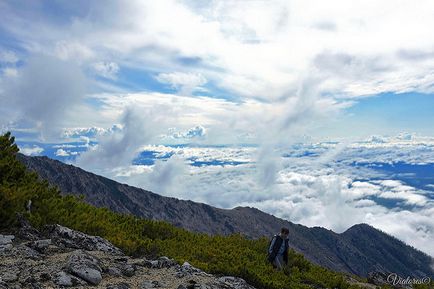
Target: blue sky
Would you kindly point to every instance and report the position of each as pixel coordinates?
(335, 72)
(219, 96)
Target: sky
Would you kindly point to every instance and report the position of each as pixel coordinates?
(310, 110)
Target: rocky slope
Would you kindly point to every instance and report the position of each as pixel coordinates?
(359, 250)
(60, 257)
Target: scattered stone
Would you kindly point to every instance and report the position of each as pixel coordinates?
(66, 280)
(166, 262)
(187, 269)
(141, 263)
(234, 282)
(40, 245)
(128, 269)
(26, 252)
(84, 266)
(151, 263)
(121, 285)
(6, 242)
(113, 271)
(180, 274)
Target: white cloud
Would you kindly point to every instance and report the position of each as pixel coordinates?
(31, 151)
(80, 132)
(62, 153)
(194, 132)
(118, 148)
(185, 83)
(43, 93)
(311, 190)
(289, 73)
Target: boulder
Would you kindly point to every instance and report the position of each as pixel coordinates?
(66, 280)
(84, 266)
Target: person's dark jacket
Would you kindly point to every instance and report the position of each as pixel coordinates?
(276, 247)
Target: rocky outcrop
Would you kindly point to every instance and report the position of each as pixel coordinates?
(63, 258)
(65, 237)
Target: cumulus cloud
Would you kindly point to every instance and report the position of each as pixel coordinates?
(31, 150)
(62, 153)
(194, 132)
(88, 132)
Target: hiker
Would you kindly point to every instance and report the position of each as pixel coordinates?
(278, 249)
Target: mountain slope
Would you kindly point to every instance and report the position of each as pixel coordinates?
(359, 250)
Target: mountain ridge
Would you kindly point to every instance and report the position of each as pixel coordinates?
(340, 252)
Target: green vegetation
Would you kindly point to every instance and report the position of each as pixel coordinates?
(231, 255)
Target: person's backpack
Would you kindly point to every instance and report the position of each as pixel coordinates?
(272, 255)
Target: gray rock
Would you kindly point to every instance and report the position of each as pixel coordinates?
(6, 242)
(113, 271)
(180, 274)
(26, 231)
(151, 263)
(26, 252)
(187, 269)
(141, 263)
(128, 269)
(234, 282)
(166, 262)
(162, 262)
(66, 280)
(121, 285)
(40, 245)
(63, 236)
(84, 266)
